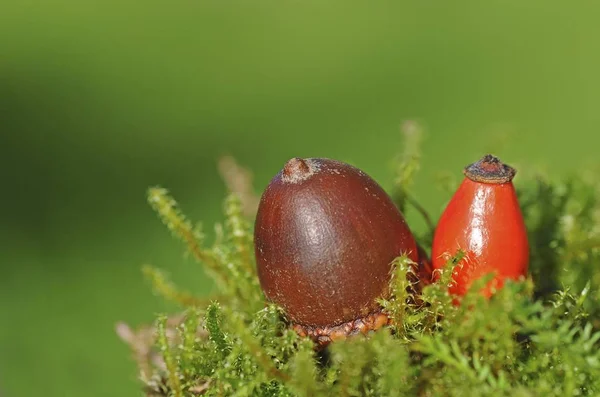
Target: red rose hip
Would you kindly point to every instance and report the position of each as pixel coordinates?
(325, 236)
(484, 219)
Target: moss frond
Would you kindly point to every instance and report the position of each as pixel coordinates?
(216, 335)
(188, 335)
(170, 214)
(398, 306)
(172, 369)
(169, 291)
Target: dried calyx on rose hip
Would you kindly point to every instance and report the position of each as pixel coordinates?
(326, 235)
(483, 219)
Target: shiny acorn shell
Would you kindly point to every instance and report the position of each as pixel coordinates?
(325, 237)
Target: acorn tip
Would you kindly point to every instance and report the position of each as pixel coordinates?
(297, 169)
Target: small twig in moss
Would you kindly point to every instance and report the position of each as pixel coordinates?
(406, 167)
(423, 212)
(139, 345)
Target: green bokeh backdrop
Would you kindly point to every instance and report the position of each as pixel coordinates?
(101, 99)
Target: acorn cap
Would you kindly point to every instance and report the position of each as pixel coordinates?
(490, 170)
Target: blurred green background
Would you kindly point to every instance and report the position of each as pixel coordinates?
(101, 99)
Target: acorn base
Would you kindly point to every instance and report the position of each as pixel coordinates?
(325, 335)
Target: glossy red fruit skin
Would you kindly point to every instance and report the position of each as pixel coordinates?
(483, 219)
(325, 237)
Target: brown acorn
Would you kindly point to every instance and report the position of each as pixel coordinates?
(325, 236)
(483, 219)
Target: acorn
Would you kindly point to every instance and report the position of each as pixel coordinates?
(326, 235)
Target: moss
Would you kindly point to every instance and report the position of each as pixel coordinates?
(534, 337)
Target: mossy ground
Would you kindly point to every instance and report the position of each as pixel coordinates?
(535, 337)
